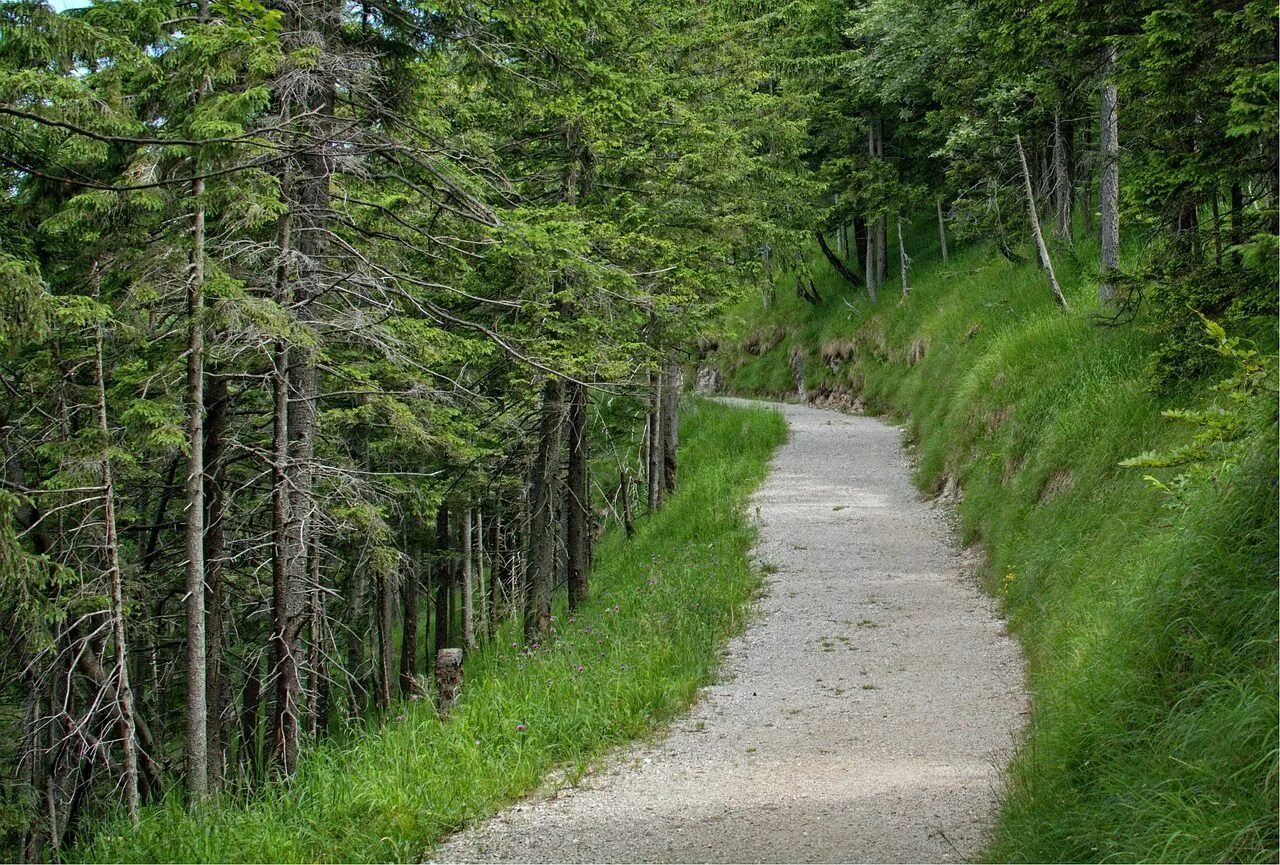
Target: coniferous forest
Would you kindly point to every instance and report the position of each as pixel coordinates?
(337, 334)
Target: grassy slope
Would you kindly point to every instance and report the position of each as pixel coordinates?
(1151, 635)
(636, 655)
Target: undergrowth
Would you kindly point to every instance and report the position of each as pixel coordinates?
(1149, 621)
(632, 658)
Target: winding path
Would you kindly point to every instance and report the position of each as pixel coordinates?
(864, 716)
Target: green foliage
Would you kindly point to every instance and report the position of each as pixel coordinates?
(634, 657)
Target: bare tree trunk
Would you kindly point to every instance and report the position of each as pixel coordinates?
(869, 260)
(542, 522)
(386, 639)
(468, 599)
(444, 579)
(482, 594)
(1237, 220)
(250, 705)
(653, 438)
(834, 260)
(282, 662)
(628, 524)
(1062, 192)
(497, 570)
(1109, 194)
(670, 423)
(410, 597)
(123, 697)
(882, 228)
(1035, 228)
(904, 263)
(578, 497)
(218, 406)
(942, 230)
(196, 747)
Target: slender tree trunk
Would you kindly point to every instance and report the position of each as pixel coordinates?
(316, 672)
(882, 228)
(1061, 182)
(410, 597)
(218, 406)
(282, 659)
(1045, 262)
(250, 706)
(542, 521)
(496, 570)
(386, 639)
(444, 579)
(1237, 220)
(357, 632)
(1109, 194)
(578, 497)
(869, 260)
(904, 263)
(1087, 186)
(942, 230)
(653, 439)
(196, 750)
(468, 575)
(628, 524)
(834, 260)
(670, 422)
(858, 244)
(123, 697)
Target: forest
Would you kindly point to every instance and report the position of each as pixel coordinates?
(337, 334)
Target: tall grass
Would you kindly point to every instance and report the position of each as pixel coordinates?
(652, 634)
(1151, 633)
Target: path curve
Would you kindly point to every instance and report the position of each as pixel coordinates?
(865, 716)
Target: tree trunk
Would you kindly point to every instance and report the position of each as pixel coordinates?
(653, 439)
(834, 260)
(628, 525)
(1035, 227)
(496, 570)
(904, 263)
(443, 579)
(218, 406)
(942, 230)
(578, 497)
(670, 423)
(123, 696)
(542, 521)
(410, 597)
(1237, 220)
(386, 639)
(1109, 193)
(1087, 186)
(468, 598)
(882, 228)
(869, 260)
(1061, 182)
(250, 705)
(196, 748)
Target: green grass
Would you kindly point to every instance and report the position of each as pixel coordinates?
(1151, 634)
(633, 658)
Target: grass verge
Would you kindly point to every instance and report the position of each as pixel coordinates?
(635, 656)
(1151, 631)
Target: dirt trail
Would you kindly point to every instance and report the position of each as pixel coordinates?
(864, 716)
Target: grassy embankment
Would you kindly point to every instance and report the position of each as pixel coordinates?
(662, 606)
(1151, 632)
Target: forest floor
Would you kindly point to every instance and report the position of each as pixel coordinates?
(866, 714)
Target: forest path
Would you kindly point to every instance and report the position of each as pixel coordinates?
(864, 716)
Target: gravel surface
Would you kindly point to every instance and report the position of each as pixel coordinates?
(865, 715)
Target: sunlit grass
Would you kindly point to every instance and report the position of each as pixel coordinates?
(652, 634)
(1151, 634)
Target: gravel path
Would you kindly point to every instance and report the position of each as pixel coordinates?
(864, 716)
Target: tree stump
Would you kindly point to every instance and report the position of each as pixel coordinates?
(448, 680)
